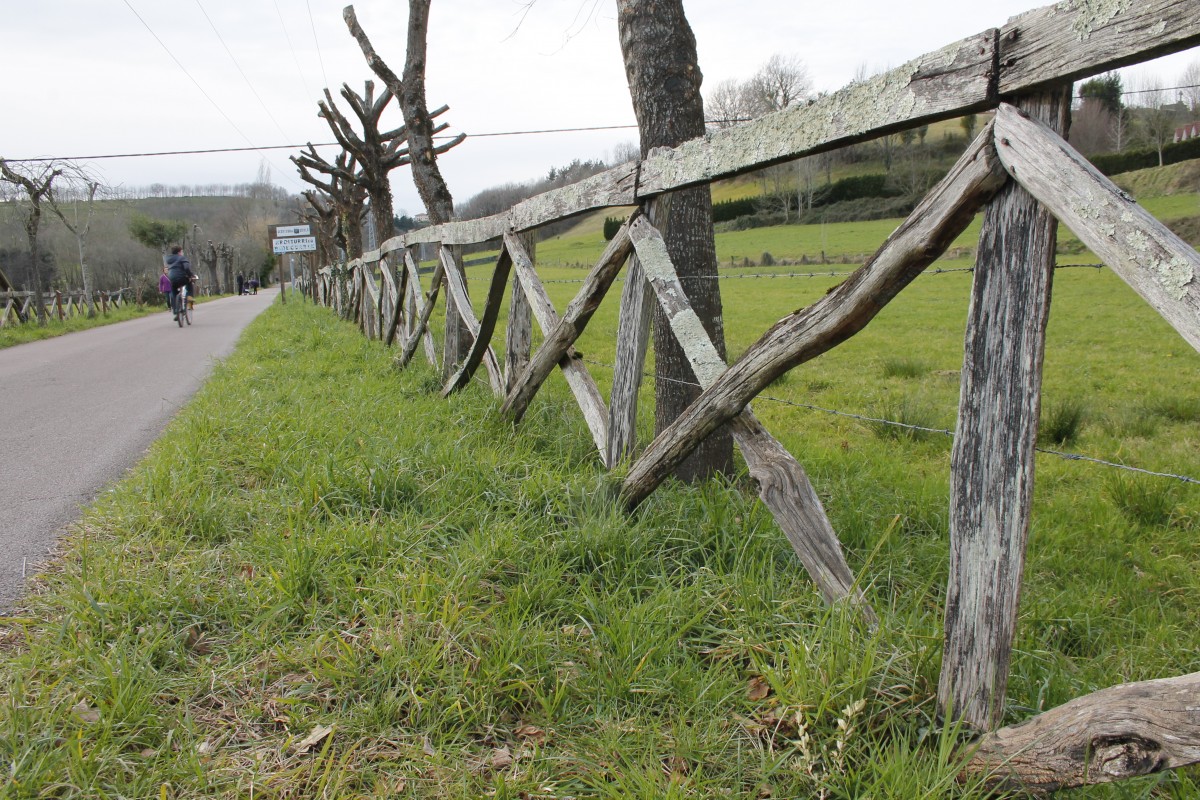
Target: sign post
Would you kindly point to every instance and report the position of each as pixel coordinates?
(290, 239)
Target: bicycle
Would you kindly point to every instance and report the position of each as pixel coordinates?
(183, 306)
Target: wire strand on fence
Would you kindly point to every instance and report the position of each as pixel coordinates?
(810, 274)
(921, 428)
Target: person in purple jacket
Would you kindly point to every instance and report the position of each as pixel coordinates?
(164, 286)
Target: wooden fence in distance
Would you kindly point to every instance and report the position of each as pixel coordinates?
(17, 308)
(1024, 176)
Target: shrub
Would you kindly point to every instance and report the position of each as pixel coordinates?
(860, 210)
(1114, 163)
(611, 226)
(855, 188)
(732, 209)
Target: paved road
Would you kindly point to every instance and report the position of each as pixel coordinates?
(80, 410)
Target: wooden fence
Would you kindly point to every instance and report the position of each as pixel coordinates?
(1022, 174)
(17, 308)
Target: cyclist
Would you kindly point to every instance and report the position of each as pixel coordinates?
(179, 271)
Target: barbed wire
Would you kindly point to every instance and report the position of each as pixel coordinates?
(810, 274)
(921, 428)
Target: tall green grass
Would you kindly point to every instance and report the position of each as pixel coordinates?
(327, 581)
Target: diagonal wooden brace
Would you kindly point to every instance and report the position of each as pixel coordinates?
(784, 487)
(934, 224)
(1156, 263)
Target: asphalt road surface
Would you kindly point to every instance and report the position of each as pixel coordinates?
(80, 410)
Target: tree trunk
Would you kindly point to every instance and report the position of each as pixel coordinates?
(85, 275)
(409, 89)
(664, 83)
(31, 233)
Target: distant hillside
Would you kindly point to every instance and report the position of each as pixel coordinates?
(117, 260)
(1182, 178)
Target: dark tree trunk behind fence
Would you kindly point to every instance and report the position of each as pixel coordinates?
(664, 82)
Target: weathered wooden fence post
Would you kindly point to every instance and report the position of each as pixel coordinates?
(518, 336)
(991, 485)
(635, 318)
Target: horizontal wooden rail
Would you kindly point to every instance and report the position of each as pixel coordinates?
(1054, 44)
(937, 221)
(1115, 733)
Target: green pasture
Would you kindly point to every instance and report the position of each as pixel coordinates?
(835, 241)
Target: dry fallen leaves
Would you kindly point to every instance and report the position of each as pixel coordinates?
(317, 735)
(532, 733)
(85, 713)
(502, 758)
(758, 688)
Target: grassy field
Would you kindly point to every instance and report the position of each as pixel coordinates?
(834, 242)
(326, 581)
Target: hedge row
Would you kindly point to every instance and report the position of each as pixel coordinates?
(1114, 163)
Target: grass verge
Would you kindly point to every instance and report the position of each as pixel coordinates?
(31, 332)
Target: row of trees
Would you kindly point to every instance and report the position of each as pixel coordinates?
(354, 187)
(1111, 118)
(61, 228)
(909, 159)
(256, 190)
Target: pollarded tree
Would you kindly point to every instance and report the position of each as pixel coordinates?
(323, 215)
(659, 50)
(344, 194)
(431, 186)
(376, 152)
(208, 254)
(86, 186)
(35, 184)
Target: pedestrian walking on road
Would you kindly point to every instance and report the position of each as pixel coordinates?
(164, 286)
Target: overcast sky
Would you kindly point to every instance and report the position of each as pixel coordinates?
(94, 77)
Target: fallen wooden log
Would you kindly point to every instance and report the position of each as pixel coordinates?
(1115, 733)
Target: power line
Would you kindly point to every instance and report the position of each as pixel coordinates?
(242, 72)
(292, 47)
(313, 24)
(299, 146)
(178, 63)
